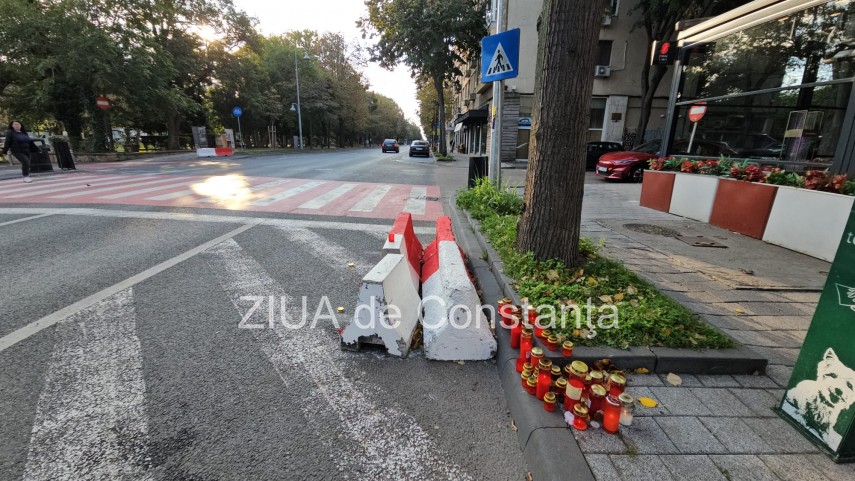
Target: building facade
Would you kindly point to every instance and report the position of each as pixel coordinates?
(775, 80)
(616, 102)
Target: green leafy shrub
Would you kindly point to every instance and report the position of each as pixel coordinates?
(486, 199)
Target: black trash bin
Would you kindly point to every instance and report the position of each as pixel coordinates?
(477, 169)
(64, 157)
(40, 161)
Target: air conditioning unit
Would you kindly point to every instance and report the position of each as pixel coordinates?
(607, 20)
(602, 71)
(472, 97)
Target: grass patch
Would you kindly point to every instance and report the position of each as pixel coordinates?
(645, 317)
(443, 158)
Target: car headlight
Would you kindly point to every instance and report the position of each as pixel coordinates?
(622, 162)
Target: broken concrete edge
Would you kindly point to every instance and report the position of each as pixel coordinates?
(548, 445)
(738, 360)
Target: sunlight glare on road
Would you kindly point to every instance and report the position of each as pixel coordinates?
(229, 191)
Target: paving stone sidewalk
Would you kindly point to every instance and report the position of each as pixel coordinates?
(711, 427)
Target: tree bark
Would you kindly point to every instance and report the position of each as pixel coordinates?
(568, 31)
(440, 94)
(649, 85)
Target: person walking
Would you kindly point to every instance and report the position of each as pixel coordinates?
(21, 145)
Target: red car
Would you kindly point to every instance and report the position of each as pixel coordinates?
(630, 165)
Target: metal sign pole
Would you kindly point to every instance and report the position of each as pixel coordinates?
(495, 169)
(692, 138)
(240, 132)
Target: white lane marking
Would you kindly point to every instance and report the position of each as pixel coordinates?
(321, 248)
(382, 230)
(70, 186)
(384, 443)
(90, 420)
(45, 184)
(417, 202)
(372, 200)
(147, 190)
(253, 189)
(24, 219)
(110, 189)
(324, 199)
(34, 327)
(286, 194)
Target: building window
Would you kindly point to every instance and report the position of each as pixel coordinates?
(612, 8)
(604, 52)
(596, 118)
(776, 91)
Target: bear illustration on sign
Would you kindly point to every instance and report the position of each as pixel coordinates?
(817, 405)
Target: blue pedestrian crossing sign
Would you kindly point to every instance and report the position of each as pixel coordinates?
(237, 111)
(500, 56)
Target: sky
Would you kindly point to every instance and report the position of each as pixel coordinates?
(338, 16)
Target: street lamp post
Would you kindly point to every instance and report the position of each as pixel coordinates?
(299, 112)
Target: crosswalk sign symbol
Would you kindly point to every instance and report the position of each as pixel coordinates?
(500, 56)
(499, 64)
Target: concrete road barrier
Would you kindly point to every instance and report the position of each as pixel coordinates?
(402, 240)
(388, 308)
(455, 328)
(218, 152)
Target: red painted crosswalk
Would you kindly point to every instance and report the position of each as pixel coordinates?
(234, 192)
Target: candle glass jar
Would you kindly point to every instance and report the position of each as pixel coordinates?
(528, 367)
(556, 373)
(536, 356)
(611, 415)
(525, 347)
(544, 378)
(578, 370)
(617, 384)
(524, 376)
(596, 396)
(627, 409)
(552, 342)
(549, 402)
(531, 385)
(580, 417)
(516, 330)
(505, 308)
(598, 377)
(573, 393)
(567, 349)
(560, 389)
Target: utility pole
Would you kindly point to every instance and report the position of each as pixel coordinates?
(495, 168)
(299, 112)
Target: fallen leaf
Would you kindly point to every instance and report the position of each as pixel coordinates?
(647, 402)
(528, 476)
(340, 309)
(514, 425)
(674, 379)
(461, 362)
(606, 299)
(557, 283)
(666, 332)
(577, 333)
(634, 303)
(631, 291)
(642, 370)
(592, 282)
(351, 264)
(552, 275)
(619, 296)
(740, 311)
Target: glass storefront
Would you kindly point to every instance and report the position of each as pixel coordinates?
(777, 90)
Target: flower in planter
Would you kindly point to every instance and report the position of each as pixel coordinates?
(657, 164)
(689, 166)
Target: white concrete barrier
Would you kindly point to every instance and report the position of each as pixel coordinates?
(218, 152)
(454, 327)
(693, 196)
(387, 309)
(402, 240)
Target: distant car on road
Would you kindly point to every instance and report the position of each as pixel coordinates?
(390, 145)
(597, 149)
(420, 147)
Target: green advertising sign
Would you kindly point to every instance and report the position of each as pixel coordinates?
(820, 398)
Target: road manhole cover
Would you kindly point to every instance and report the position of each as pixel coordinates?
(652, 229)
(700, 241)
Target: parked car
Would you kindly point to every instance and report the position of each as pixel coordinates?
(630, 165)
(390, 145)
(420, 147)
(596, 149)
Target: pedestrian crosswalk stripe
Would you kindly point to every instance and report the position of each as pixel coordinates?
(330, 196)
(417, 202)
(38, 185)
(74, 186)
(372, 200)
(173, 195)
(110, 189)
(251, 190)
(147, 190)
(286, 194)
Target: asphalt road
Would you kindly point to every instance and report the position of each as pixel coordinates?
(121, 355)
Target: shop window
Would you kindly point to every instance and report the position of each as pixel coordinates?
(598, 113)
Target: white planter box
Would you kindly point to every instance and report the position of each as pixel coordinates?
(808, 221)
(693, 196)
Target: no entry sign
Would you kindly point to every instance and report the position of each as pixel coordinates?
(697, 111)
(102, 102)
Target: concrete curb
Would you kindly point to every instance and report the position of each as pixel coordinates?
(739, 360)
(548, 445)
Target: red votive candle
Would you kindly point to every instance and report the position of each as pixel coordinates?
(531, 385)
(567, 349)
(524, 377)
(611, 415)
(617, 384)
(598, 394)
(549, 402)
(544, 378)
(516, 330)
(580, 417)
(552, 343)
(525, 348)
(573, 393)
(535, 356)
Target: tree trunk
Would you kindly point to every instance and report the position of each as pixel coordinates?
(440, 94)
(172, 123)
(649, 85)
(568, 31)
